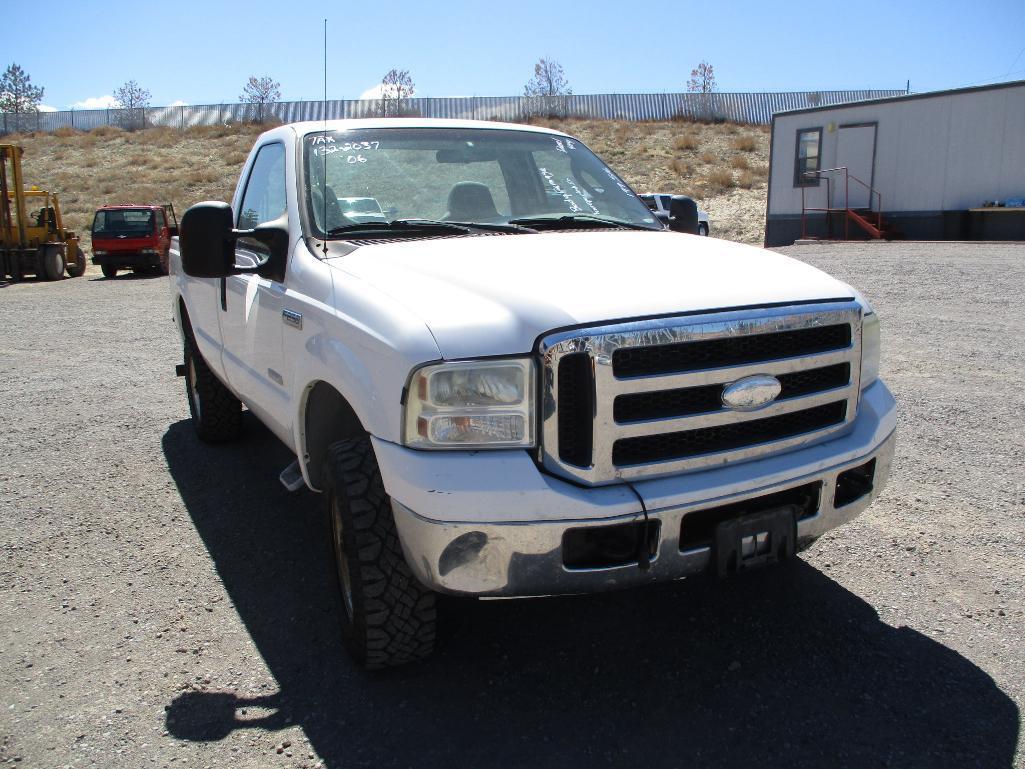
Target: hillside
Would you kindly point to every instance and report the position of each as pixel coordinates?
(723, 166)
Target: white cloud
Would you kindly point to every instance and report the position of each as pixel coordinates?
(96, 102)
(374, 92)
(46, 108)
(378, 91)
(178, 103)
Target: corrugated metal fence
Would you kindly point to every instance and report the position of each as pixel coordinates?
(731, 107)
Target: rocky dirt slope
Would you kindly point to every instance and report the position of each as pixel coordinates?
(723, 166)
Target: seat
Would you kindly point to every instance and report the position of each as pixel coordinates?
(471, 202)
(335, 217)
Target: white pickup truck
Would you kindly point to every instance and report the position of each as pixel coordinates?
(519, 382)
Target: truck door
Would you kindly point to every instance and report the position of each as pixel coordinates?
(163, 238)
(251, 318)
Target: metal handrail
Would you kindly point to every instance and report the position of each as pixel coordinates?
(848, 177)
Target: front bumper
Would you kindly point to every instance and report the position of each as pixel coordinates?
(127, 259)
(513, 546)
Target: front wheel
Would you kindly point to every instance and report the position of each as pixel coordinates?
(216, 412)
(76, 267)
(388, 617)
(53, 263)
(703, 229)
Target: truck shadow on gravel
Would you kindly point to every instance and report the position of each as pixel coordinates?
(782, 668)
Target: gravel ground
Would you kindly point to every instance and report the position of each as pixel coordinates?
(167, 603)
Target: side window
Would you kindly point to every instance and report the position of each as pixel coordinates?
(264, 197)
(809, 144)
(161, 223)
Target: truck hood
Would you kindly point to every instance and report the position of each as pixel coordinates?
(495, 295)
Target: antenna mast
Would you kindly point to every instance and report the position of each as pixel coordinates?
(323, 155)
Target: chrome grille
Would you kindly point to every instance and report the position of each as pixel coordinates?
(643, 399)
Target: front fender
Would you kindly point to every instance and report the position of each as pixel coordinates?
(360, 342)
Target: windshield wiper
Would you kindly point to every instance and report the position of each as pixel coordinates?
(412, 225)
(578, 220)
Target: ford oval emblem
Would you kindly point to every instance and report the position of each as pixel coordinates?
(751, 392)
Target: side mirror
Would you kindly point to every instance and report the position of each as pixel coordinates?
(683, 215)
(208, 243)
(274, 235)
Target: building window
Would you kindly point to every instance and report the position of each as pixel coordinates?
(809, 144)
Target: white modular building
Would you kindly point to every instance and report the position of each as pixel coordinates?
(944, 165)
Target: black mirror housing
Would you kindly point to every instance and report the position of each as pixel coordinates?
(683, 215)
(207, 242)
(274, 235)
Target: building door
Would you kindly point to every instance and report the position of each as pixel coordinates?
(856, 149)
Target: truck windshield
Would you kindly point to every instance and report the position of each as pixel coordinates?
(357, 178)
(133, 222)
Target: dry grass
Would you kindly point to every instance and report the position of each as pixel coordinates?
(718, 180)
(156, 165)
(686, 142)
(682, 168)
(109, 165)
(740, 162)
(745, 180)
(107, 130)
(745, 143)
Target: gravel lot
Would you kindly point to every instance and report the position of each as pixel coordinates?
(167, 603)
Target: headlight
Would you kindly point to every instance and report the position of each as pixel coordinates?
(471, 405)
(869, 348)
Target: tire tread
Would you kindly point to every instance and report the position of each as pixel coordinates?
(396, 616)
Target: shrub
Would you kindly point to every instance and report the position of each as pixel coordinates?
(108, 130)
(746, 180)
(740, 162)
(682, 168)
(718, 180)
(745, 143)
(686, 141)
(65, 131)
(708, 158)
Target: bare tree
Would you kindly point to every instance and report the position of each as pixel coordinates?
(260, 91)
(131, 96)
(702, 79)
(396, 86)
(18, 95)
(549, 80)
(132, 100)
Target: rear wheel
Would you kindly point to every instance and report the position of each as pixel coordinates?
(216, 412)
(53, 263)
(109, 271)
(76, 267)
(388, 617)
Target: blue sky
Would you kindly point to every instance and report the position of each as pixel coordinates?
(203, 52)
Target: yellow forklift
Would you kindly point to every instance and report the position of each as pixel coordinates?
(33, 240)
